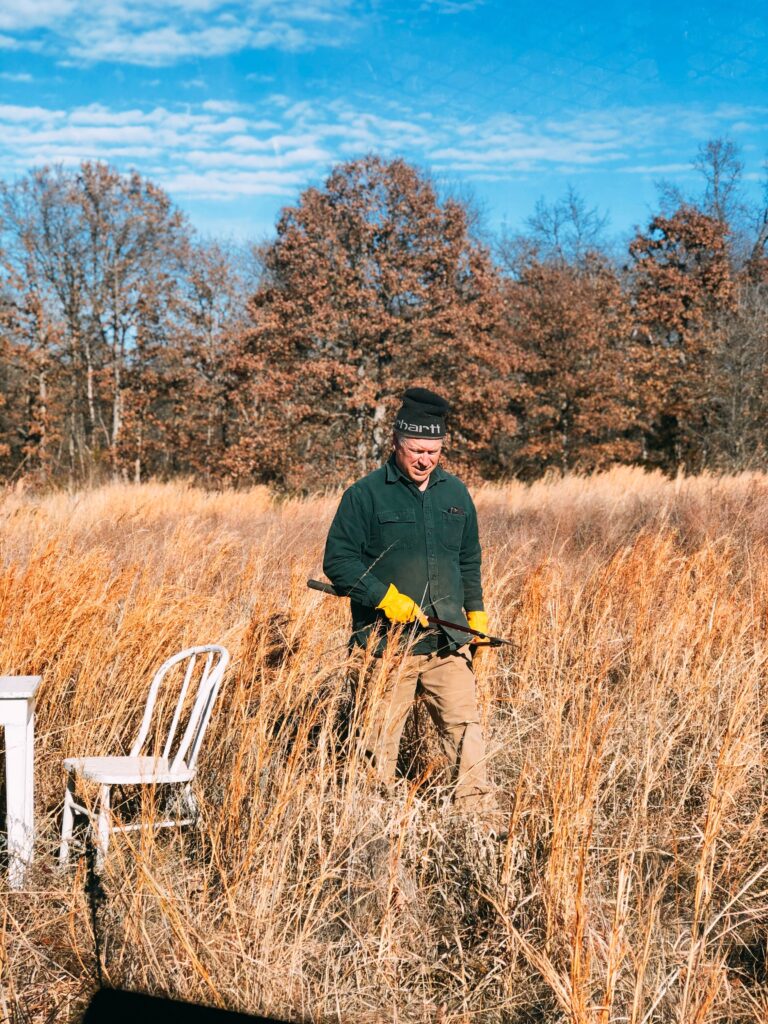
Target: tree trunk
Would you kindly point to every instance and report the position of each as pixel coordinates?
(139, 451)
(379, 433)
(42, 417)
(117, 404)
(90, 394)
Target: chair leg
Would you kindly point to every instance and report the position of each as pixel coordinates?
(103, 826)
(67, 819)
(189, 802)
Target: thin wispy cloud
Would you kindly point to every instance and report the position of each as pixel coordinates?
(164, 32)
(658, 169)
(223, 106)
(451, 6)
(219, 149)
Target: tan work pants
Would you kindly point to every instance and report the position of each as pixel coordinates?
(447, 685)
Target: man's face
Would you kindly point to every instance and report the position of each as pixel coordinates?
(417, 457)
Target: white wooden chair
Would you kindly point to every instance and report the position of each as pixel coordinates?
(175, 767)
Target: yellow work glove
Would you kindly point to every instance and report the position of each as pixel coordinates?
(478, 620)
(401, 608)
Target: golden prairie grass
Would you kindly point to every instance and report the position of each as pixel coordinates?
(627, 731)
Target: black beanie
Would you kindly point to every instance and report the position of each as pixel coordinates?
(422, 414)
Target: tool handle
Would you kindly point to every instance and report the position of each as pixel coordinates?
(493, 641)
(324, 588)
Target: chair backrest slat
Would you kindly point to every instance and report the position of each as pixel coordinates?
(208, 685)
(180, 703)
(216, 661)
(206, 709)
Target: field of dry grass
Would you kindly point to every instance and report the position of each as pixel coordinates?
(628, 733)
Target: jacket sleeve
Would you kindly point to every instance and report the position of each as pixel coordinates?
(470, 560)
(347, 538)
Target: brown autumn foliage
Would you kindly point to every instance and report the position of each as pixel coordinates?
(116, 325)
(183, 392)
(738, 430)
(682, 284)
(88, 261)
(131, 348)
(573, 321)
(371, 284)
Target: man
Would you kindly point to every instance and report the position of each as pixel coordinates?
(404, 544)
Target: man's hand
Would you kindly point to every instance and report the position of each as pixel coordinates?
(478, 620)
(401, 608)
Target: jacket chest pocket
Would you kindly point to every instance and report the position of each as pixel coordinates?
(397, 528)
(453, 528)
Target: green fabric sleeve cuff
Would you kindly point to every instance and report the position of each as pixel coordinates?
(376, 590)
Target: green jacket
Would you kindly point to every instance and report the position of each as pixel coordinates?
(425, 542)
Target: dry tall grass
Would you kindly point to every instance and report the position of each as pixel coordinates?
(627, 728)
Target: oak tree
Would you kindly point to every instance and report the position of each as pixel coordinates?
(682, 284)
(372, 283)
(574, 323)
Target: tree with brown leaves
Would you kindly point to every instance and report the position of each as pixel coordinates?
(90, 265)
(574, 324)
(372, 284)
(682, 283)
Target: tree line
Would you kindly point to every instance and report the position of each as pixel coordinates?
(131, 347)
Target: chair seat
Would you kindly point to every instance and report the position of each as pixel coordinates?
(126, 771)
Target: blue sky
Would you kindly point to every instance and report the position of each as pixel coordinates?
(234, 106)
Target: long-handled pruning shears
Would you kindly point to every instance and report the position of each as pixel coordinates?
(492, 641)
